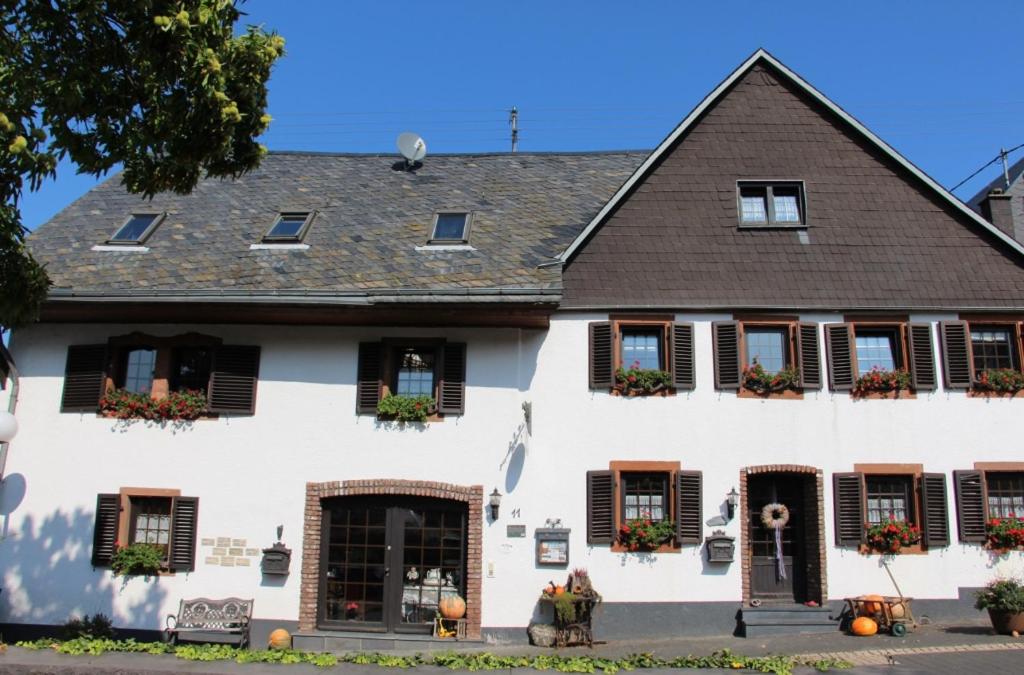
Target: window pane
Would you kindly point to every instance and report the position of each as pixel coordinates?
(151, 518)
(753, 206)
(888, 498)
(191, 369)
(138, 372)
(992, 348)
(288, 225)
(875, 350)
(766, 346)
(450, 227)
(1005, 495)
(134, 228)
(787, 209)
(645, 496)
(415, 372)
(641, 349)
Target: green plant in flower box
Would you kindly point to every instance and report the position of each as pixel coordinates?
(177, 405)
(643, 534)
(881, 380)
(406, 408)
(136, 559)
(757, 379)
(641, 380)
(1002, 380)
(892, 535)
(1005, 534)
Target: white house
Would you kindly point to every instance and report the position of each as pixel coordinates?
(770, 229)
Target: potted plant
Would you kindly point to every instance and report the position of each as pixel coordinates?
(1004, 600)
(638, 381)
(892, 535)
(758, 380)
(643, 534)
(1004, 534)
(406, 408)
(882, 381)
(1000, 381)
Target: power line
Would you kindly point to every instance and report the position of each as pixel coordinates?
(1002, 155)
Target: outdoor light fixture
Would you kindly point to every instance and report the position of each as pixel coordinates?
(732, 500)
(495, 503)
(8, 427)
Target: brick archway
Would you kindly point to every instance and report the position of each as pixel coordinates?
(814, 500)
(472, 495)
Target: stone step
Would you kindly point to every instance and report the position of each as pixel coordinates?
(787, 619)
(340, 642)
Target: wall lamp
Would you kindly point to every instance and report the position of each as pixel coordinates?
(495, 503)
(732, 500)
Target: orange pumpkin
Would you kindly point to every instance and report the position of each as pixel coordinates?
(280, 639)
(452, 607)
(863, 626)
(559, 590)
(872, 604)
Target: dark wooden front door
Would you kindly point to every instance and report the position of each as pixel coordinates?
(386, 563)
(766, 583)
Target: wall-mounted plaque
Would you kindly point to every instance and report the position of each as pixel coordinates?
(552, 546)
(515, 531)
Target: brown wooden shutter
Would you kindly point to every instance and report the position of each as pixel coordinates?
(970, 506)
(600, 507)
(683, 374)
(728, 369)
(842, 356)
(848, 496)
(922, 357)
(934, 510)
(368, 378)
(85, 378)
(452, 389)
(956, 354)
(104, 534)
(809, 353)
(181, 555)
(602, 355)
(689, 503)
(233, 378)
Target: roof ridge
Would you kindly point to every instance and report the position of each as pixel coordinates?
(395, 155)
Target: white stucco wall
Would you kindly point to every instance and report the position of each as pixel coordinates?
(250, 472)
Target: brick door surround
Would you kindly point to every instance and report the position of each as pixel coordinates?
(817, 580)
(472, 495)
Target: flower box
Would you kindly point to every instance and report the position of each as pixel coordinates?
(637, 381)
(880, 380)
(177, 405)
(406, 408)
(643, 534)
(760, 381)
(891, 536)
(1000, 381)
(1004, 534)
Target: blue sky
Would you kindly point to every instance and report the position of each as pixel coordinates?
(938, 80)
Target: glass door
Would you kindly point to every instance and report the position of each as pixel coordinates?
(386, 564)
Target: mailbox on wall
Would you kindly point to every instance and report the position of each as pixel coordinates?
(720, 546)
(276, 560)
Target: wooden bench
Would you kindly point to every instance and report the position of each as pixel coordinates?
(230, 616)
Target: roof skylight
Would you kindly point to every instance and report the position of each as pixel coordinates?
(451, 228)
(136, 229)
(290, 227)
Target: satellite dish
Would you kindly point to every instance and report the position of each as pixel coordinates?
(412, 147)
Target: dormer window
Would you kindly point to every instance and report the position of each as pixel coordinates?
(451, 228)
(136, 229)
(773, 204)
(289, 228)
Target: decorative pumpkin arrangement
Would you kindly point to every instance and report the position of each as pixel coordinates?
(872, 604)
(864, 626)
(452, 606)
(280, 639)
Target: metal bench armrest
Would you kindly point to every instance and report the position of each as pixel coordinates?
(171, 622)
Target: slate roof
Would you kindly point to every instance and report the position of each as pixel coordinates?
(369, 235)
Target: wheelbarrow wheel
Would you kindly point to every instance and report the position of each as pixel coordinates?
(898, 629)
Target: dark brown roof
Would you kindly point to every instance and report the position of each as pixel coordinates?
(368, 237)
(880, 235)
